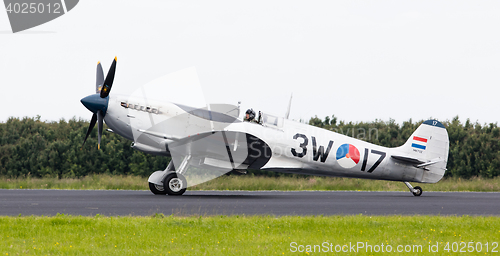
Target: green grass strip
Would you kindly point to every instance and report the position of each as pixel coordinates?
(243, 235)
(252, 183)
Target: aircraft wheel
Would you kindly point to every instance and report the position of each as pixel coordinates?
(175, 184)
(417, 191)
(157, 189)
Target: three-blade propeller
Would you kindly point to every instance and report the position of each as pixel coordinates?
(98, 103)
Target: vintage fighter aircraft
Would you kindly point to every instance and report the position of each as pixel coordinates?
(210, 140)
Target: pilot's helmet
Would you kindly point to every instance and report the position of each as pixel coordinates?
(251, 114)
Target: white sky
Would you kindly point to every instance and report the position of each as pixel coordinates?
(359, 60)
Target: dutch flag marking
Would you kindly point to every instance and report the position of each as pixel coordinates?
(419, 142)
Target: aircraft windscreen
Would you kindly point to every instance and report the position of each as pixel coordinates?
(272, 121)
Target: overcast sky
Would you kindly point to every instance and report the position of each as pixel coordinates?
(359, 60)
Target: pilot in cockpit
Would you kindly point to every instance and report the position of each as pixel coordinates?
(250, 116)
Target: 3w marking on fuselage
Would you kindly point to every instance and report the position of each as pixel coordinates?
(347, 155)
(317, 152)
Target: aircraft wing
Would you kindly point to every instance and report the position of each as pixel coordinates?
(212, 154)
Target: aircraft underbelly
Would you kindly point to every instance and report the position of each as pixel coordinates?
(404, 172)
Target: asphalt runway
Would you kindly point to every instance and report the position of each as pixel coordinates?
(143, 203)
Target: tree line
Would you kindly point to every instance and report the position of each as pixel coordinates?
(30, 147)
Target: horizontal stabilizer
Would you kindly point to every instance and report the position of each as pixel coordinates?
(418, 163)
(430, 163)
(407, 159)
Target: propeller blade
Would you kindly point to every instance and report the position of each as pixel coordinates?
(91, 126)
(106, 88)
(99, 78)
(99, 128)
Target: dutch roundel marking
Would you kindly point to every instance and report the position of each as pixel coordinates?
(347, 156)
(419, 142)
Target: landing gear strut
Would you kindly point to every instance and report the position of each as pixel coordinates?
(416, 191)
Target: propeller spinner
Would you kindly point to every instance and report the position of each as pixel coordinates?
(98, 103)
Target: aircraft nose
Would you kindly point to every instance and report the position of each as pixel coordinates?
(95, 103)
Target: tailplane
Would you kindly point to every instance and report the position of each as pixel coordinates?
(427, 148)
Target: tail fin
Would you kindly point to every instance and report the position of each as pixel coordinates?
(427, 148)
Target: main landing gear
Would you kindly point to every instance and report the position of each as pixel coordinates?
(174, 184)
(170, 181)
(416, 191)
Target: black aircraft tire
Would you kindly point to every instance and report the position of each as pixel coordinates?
(156, 189)
(418, 192)
(175, 184)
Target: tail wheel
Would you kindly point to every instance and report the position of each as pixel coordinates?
(175, 184)
(417, 191)
(157, 189)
